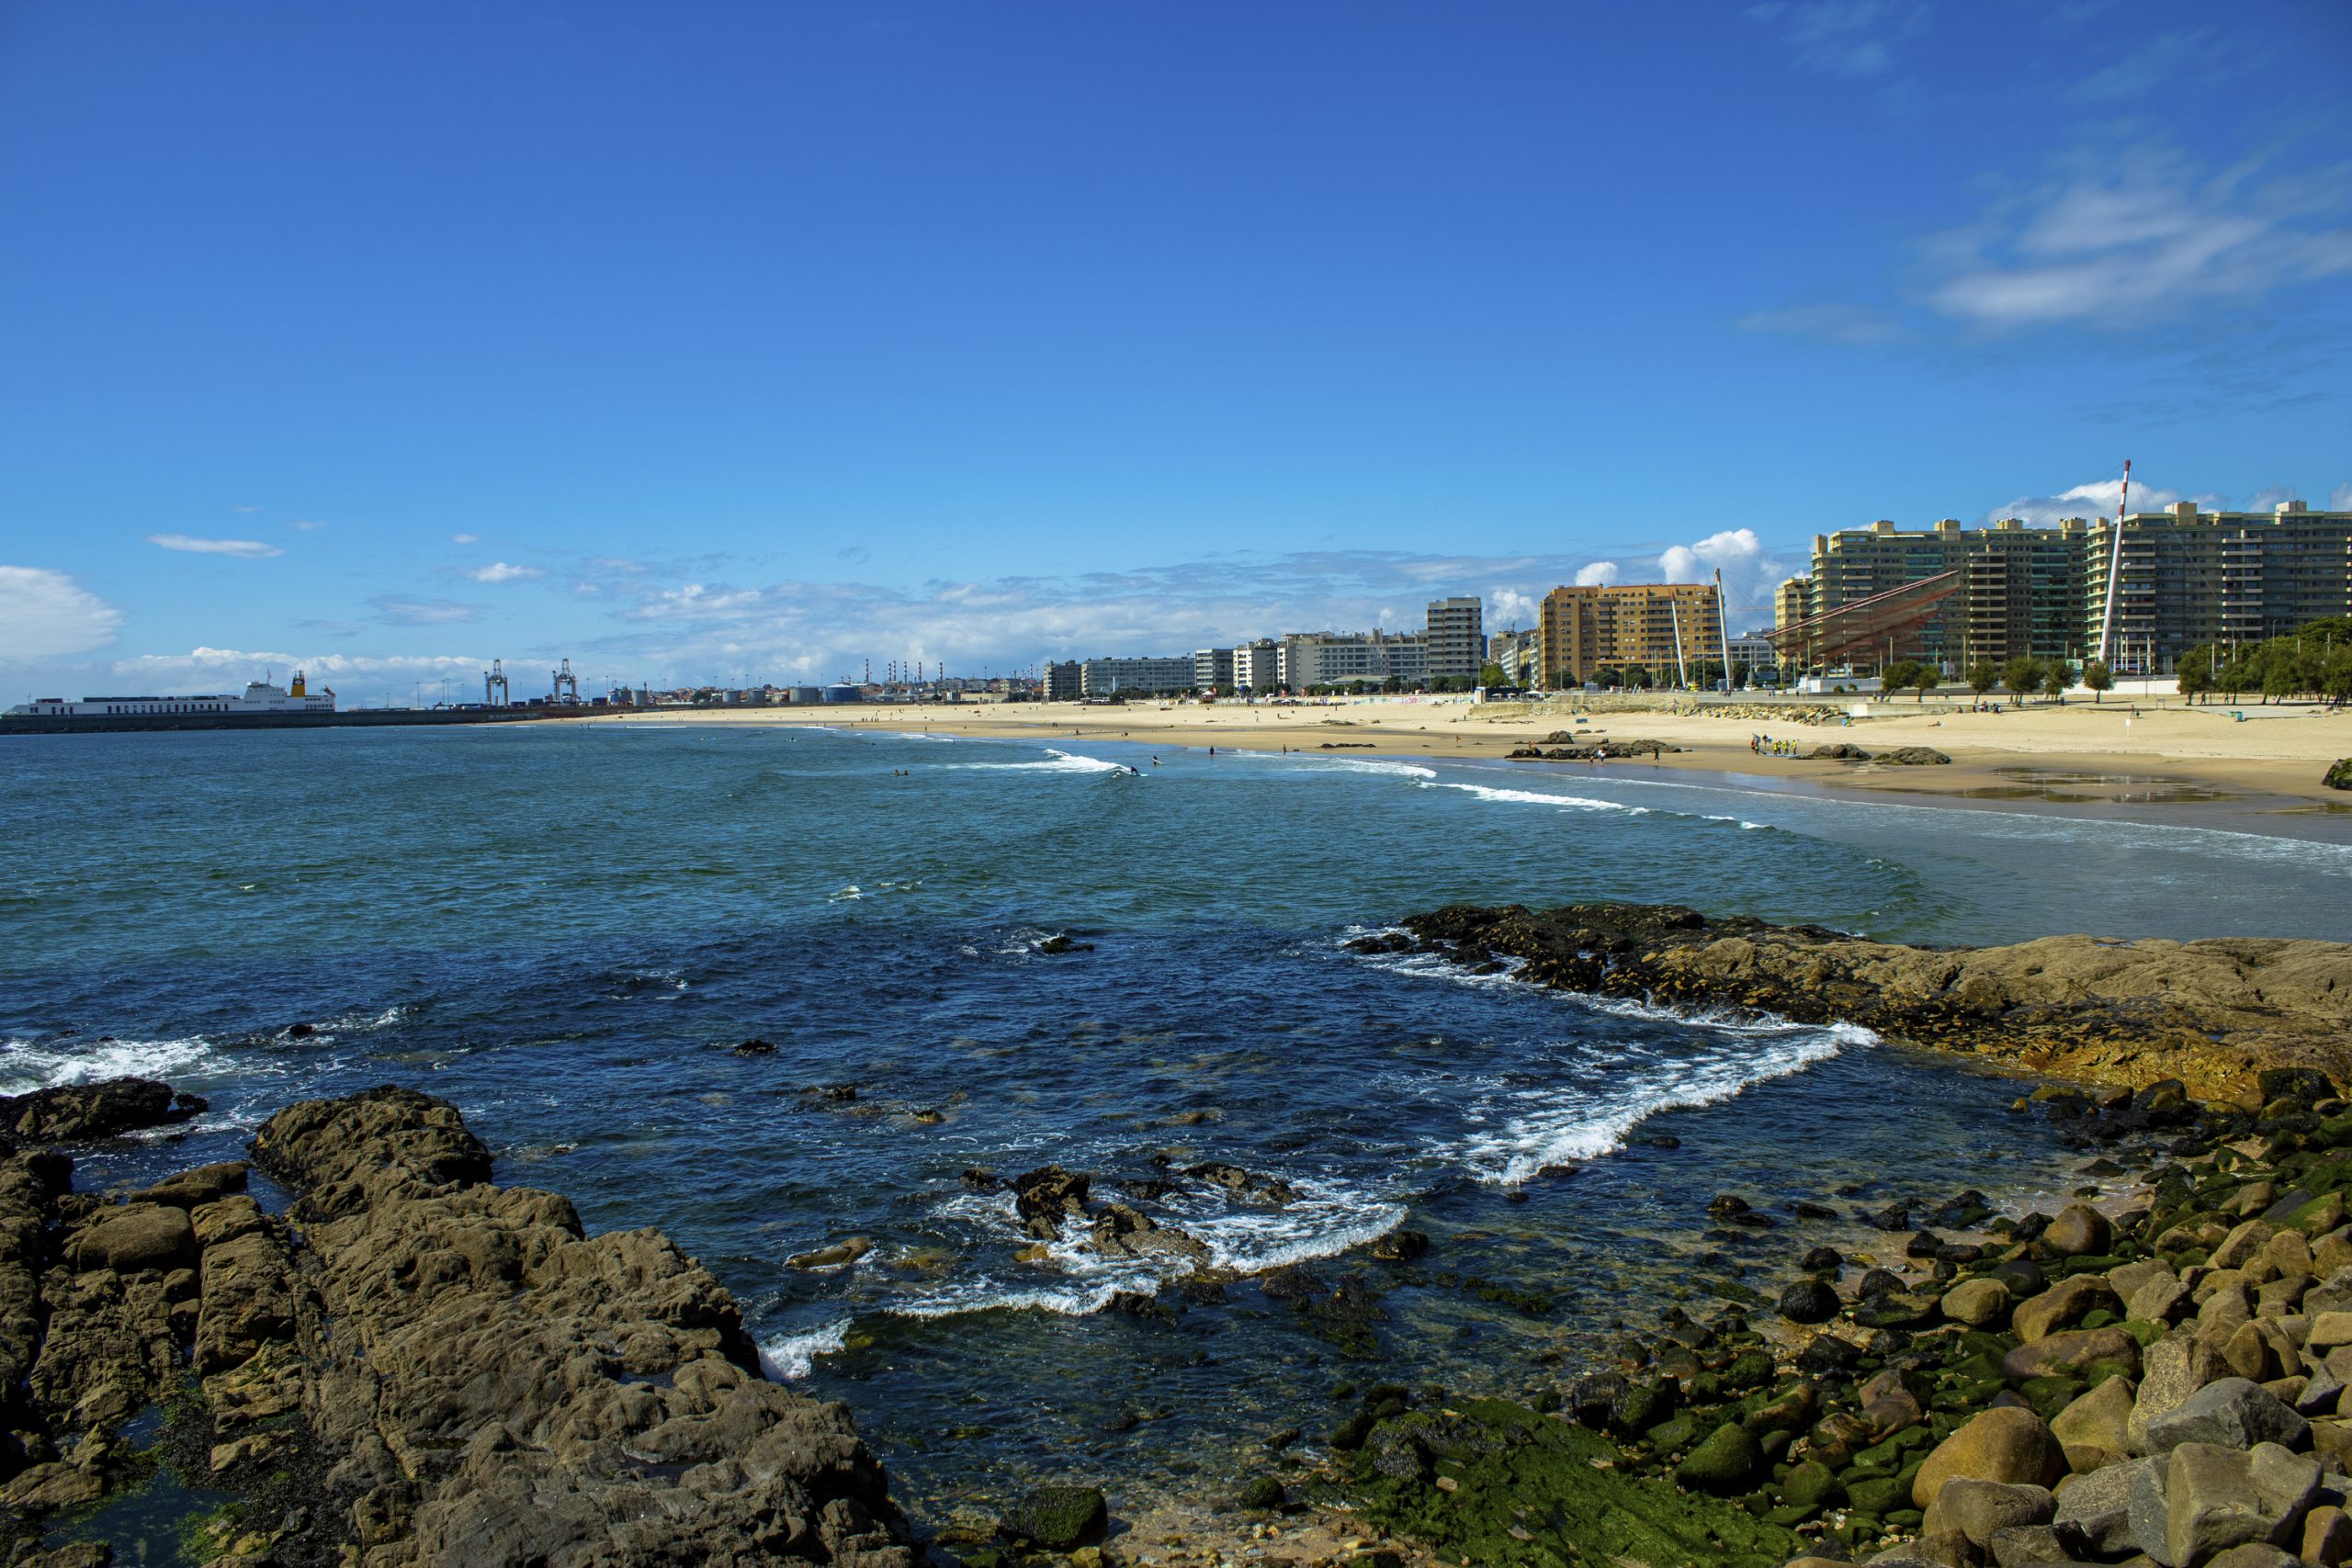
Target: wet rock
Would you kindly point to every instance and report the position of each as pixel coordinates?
(1060, 942)
(2005, 1444)
(839, 1255)
(1124, 1232)
(754, 1048)
(1046, 1196)
(1243, 1183)
(1725, 1462)
(1809, 1301)
(1401, 1246)
(2072, 1353)
(1058, 1518)
(1913, 757)
(466, 1313)
(1822, 1260)
(80, 1112)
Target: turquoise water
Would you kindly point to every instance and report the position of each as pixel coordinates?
(566, 932)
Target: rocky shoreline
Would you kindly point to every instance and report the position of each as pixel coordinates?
(411, 1365)
(2211, 1014)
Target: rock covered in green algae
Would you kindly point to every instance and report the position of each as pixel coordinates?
(1495, 1483)
(1059, 1518)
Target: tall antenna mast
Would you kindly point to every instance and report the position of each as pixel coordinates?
(2114, 566)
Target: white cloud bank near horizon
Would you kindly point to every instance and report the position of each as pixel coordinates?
(47, 615)
(244, 549)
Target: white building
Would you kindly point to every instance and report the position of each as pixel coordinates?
(1346, 659)
(1134, 677)
(1213, 670)
(1257, 666)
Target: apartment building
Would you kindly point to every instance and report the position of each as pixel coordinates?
(1257, 666)
(1457, 635)
(1341, 659)
(1213, 670)
(1519, 654)
(1134, 677)
(2189, 578)
(1994, 593)
(1059, 683)
(1662, 626)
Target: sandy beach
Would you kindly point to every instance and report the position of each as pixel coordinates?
(2119, 751)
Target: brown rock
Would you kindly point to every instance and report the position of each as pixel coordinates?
(2075, 1350)
(2002, 1444)
(2063, 1305)
(136, 1236)
(1976, 1303)
(2079, 1229)
(2095, 1430)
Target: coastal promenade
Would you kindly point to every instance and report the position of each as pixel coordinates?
(2120, 749)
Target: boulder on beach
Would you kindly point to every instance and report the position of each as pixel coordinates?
(1058, 1518)
(2339, 774)
(2002, 1444)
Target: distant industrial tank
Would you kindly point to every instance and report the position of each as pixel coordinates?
(797, 694)
(845, 693)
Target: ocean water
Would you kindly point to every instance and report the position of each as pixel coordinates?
(566, 930)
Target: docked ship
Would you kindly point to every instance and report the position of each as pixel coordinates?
(262, 706)
(259, 697)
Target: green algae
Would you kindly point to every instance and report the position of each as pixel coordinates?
(1530, 1491)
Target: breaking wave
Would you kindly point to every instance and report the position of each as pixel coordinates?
(29, 1065)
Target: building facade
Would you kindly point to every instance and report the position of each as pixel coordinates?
(1213, 670)
(1059, 683)
(1352, 659)
(1257, 666)
(1457, 637)
(1662, 626)
(1133, 677)
(2189, 578)
(1518, 653)
(2185, 578)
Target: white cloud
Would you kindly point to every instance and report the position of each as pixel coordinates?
(305, 525)
(1844, 38)
(500, 572)
(1510, 607)
(45, 615)
(1598, 574)
(463, 538)
(245, 549)
(2118, 241)
(2341, 500)
(220, 668)
(407, 612)
(2100, 498)
(1750, 572)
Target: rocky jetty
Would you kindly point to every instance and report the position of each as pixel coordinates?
(2211, 1014)
(2163, 1376)
(1568, 746)
(411, 1365)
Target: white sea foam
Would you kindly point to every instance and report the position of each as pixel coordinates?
(846, 893)
(785, 1356)
(1054, 763)
(1538, 798)
(1542, 1128)
(1374, 765)
(27, 1065)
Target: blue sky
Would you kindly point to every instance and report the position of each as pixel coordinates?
(709, 342)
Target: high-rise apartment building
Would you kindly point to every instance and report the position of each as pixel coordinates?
(2186, 577)
(1213, 670)
(1257, 666)
(2189, 578)
(1457, 637)
(1666, 627)
(1059, 683)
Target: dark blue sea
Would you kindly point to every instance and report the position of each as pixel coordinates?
(567, 932)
